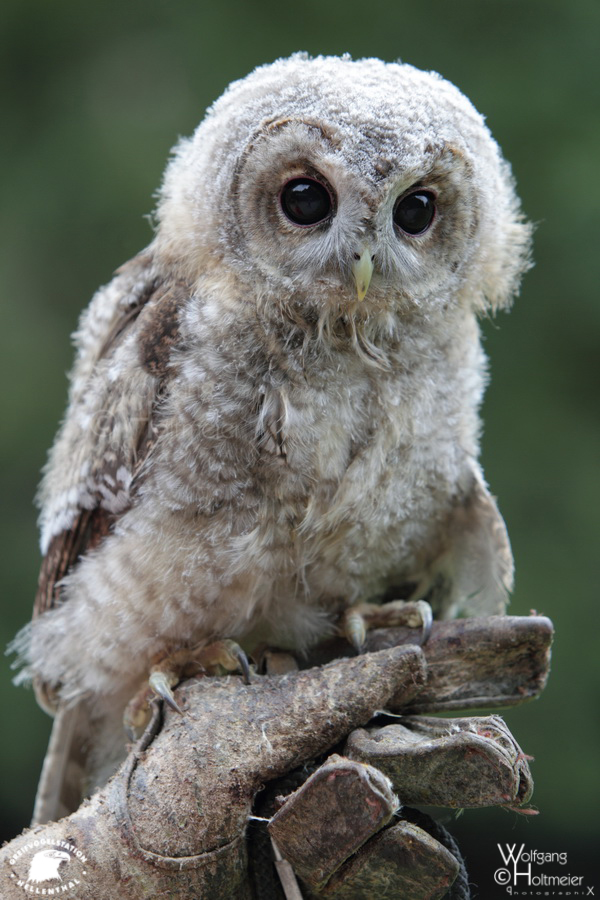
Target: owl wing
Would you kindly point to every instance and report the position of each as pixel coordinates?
(474, 576)
(121, 371)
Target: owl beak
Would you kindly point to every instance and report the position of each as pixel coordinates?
(362, 270)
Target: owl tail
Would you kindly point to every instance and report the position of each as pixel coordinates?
(63, 772)
(87, 746)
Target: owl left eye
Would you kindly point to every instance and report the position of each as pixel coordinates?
(414, 213)
(305, 201)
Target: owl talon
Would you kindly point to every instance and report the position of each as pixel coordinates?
(363, 617)
(426, 619)
(410, 613)
(225, 656)
(244, 665)
(137, 712)
(170, 668)
(354, 628)
(162, 683)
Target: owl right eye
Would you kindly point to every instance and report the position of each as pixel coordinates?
(305, 201)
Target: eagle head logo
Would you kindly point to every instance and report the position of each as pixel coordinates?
(44, 865)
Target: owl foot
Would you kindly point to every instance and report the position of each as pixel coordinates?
(358, 619)
(219, 658)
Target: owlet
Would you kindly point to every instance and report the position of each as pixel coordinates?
(274, 409)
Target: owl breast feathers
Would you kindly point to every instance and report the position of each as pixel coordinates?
(274, 408)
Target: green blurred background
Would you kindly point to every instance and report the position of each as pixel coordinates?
(93, 97)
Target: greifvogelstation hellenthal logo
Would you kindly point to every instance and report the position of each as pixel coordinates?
(48, 868)
(523, 874)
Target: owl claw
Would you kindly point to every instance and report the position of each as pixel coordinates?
(244, 665)
(137, 713)
(162, 685)
(169, 669)
(225, 655)
(354, 628)
(357, 620)
(426, 619)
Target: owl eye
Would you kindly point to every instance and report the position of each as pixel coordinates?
(414, 213)
(305, 201)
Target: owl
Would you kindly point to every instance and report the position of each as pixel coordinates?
(274, 410)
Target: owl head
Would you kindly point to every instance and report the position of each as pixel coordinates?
(348, 186)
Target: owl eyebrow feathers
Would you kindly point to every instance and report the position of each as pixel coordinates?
(116, 424)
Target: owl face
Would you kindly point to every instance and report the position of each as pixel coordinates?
(310, 217)
(346, 186)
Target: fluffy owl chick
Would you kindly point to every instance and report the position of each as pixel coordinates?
(274, 408)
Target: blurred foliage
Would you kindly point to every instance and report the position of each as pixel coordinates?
(93, 97)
